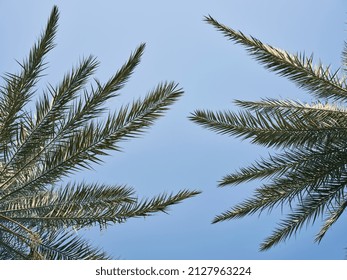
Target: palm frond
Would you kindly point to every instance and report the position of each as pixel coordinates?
(160, 203)
(73, 197)
(322, 159)
(18, 88)
(87, 205)
(316, 79)
(273, 128)
(288, 107)
(334, 215)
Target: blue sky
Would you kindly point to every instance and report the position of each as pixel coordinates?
(175, 153)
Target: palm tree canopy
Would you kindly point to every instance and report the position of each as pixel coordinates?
(309, 173)
(64, 133)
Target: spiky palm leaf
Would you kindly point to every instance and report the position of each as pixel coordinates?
(310, 173)
(39, 216)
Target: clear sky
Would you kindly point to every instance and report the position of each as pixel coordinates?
(175, 153)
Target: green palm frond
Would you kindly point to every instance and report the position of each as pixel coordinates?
(65, 132)
(335, 214)
(317, 161)
(316, 79)
(17, 91)
(274, 125)
(308, 176)
(86, 205)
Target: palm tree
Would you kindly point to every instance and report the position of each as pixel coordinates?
(309, 173)
(64, 132)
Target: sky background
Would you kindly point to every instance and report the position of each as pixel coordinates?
(176, 153)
